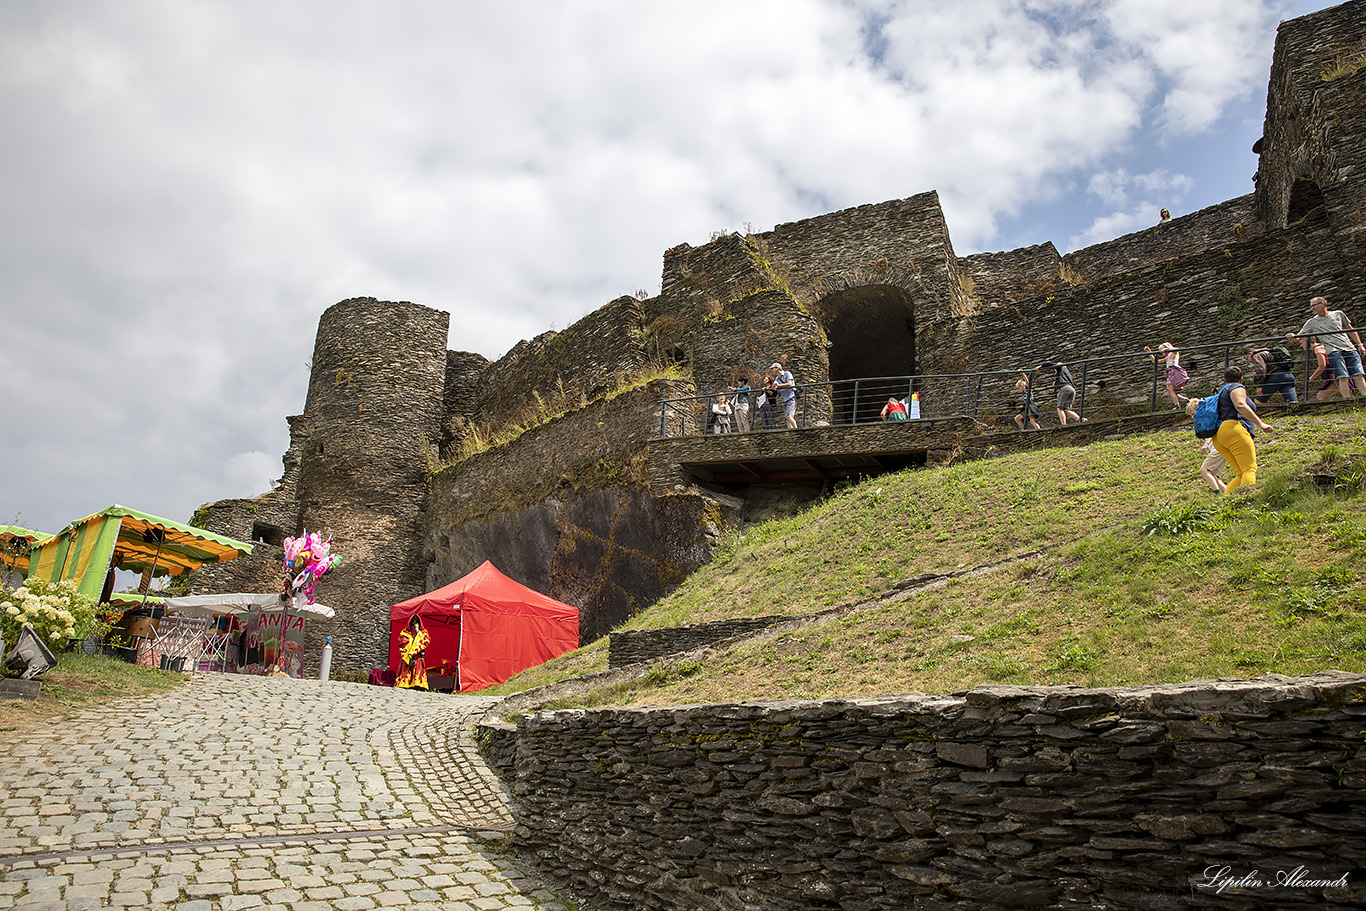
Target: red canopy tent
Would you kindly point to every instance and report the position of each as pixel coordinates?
(486, 627)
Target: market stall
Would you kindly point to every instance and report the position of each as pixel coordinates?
(483, 628)
(242, 631)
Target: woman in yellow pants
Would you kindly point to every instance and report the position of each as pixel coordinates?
(1233, 439)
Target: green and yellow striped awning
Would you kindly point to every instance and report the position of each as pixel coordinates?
(127, 539)
(18, 542)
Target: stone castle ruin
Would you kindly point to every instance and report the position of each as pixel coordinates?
(423, 462)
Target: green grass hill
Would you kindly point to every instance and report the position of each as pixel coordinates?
(1121, 568)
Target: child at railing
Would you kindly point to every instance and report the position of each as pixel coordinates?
(1027, 406)
(720, 414)
(1177, 377)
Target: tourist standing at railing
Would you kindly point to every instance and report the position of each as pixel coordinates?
(1177, 377)
(741, 405)
(1066, 391)
(768, 398)
(894, 410)
(1344, 353)
(720, 414)
(1272, 373)
(786, 385)
(1238, 423)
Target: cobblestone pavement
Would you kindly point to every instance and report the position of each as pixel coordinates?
(240, 792)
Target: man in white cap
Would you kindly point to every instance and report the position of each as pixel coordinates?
(787, 394)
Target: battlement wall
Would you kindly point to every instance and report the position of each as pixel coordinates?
(1254, 289)
(1222, 225)
(586, 360)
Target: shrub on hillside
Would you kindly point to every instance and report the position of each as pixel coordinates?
(57, 611)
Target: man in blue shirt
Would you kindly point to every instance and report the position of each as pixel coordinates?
(787, 395)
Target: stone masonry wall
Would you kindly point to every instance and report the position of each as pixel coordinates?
(753, 333)
(636, 645)
(559, 509)
(1000, 279)
(697, 283)
(1299, 141)
(594, 355)
(1225, 224)
(1258, 288)
(459, 406)
(372, 423)
(905, 237)
(261, 570)
(1049, 797)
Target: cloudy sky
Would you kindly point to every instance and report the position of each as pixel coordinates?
(188, 184)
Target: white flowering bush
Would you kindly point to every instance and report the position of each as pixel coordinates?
(57, 611)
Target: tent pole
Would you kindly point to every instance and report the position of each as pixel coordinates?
(161, 540)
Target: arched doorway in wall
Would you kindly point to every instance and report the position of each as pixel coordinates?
(871, 330)
(1306, 197)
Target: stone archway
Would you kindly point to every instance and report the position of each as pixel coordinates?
(871, 331)
(1306, 197)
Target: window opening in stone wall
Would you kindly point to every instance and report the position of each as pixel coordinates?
(872, 334)
(267, 534)
(1306, 197)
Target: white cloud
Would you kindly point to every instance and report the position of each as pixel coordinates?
(195, 181)
(1135, 201)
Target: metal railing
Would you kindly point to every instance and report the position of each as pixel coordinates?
(860, 401)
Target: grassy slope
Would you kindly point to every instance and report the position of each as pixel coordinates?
(79, 682)
(1269, 582)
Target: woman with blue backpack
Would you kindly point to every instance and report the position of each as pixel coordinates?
(1237, 424)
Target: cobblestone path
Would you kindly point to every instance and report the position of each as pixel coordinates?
(240, 792)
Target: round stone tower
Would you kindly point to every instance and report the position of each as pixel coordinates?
(371, 427)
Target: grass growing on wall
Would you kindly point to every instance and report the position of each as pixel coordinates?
(1144, 576)
(545, 408)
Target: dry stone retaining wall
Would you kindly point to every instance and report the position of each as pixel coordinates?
(1052, 797)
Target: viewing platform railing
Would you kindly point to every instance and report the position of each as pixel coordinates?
(860, 401)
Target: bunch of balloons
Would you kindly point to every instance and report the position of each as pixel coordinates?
(306, 558)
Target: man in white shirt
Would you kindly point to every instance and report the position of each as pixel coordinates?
(1344, 354)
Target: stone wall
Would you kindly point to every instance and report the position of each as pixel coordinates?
(752, 334)
(459, 402)
(698, 282)
(585, 361)
(1223, 225)
(560, 510)
(1051, 797)
(262, 570)
(905, 240)
(628, 647)
(371, 425)
(1301, 139)
(1000, 279)
(1257, 288)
